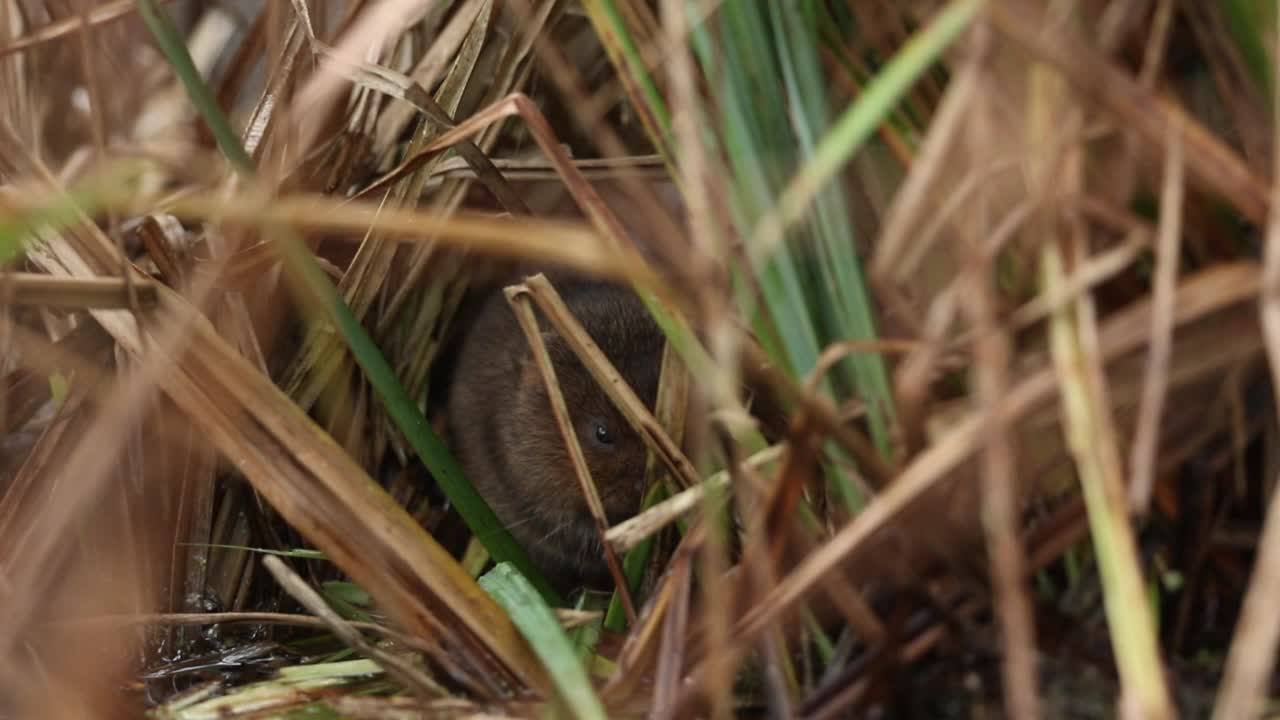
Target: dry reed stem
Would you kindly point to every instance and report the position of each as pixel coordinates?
(76, 293)
(98, 15)
(1085, 419)
(568, 243)
(1001, 518)
(674, 633)
(640, 651)
(910, 201)
(629, 533)
(1086, 405)
(672, 408)
(718, 661)
(1155, 385)
(698, 188)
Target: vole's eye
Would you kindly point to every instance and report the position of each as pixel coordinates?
(601, 433)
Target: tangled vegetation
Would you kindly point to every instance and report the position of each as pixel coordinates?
(967, 408)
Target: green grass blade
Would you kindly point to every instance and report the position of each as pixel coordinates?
(880, 97)
(844, 304)
(1249, 22)
(174, 48)
(540, 627)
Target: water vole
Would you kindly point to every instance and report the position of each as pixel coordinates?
(505, 435)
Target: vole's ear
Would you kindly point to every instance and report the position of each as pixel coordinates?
(529, 388)
(530, 375)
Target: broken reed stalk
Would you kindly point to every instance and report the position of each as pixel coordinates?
(76, 293)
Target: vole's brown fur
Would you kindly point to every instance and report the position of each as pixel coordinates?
(505, 435)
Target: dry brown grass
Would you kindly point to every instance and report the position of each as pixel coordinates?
(1070, 247)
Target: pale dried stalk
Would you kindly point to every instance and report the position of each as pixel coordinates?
(1142, 459)
(991, 360)
(562, 242)
(75, 293)
(674, 631)
(1086, 408)
(1094, 271)
(97, 15)
(630, 533)
(637, 655)
(911, 201)
(698, 189)
(1001, 516)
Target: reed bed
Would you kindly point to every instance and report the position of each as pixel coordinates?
(968, 406)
